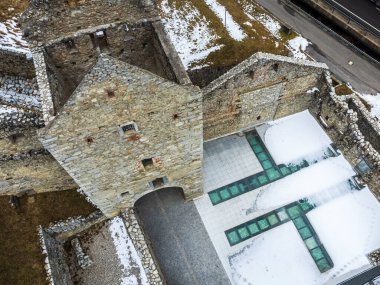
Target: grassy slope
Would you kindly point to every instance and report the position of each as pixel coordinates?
(233, 52)
(20, 255)
(11, 8)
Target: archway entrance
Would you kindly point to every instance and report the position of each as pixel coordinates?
(179, 239)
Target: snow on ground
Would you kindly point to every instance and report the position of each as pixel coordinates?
(127, 254)
(347, 221)
(233, 28)
(11, 36)
(307, 182)
(374, 101)
(349, 228)
(298, 45)
(189, 32)
(295, 138)
(270, 24)
(276, 257)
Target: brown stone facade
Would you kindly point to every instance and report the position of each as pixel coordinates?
(125, 132)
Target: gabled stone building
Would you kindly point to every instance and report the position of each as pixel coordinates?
(125, 132)
(117, 116)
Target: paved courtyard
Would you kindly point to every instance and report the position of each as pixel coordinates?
(179, 239)
(279, 194)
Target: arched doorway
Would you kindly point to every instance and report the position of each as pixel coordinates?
(179, 239)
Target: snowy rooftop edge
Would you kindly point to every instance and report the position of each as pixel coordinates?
(15, 50)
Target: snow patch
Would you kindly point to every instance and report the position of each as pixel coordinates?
(295, 138)
(233, 28)
(189, 32)
(374, 101)
(127, 254)
(298, 45)
(11, 36)
(270, 24)
(278, 256)
(307, 183)
(349, 228)
(312, 90)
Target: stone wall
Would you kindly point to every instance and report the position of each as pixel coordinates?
(204, 76)
(138, 238)
(25, 166)
(56, 267)
(262, 88)
(15, 120)
(63, 230)
(42, 76)
(352, 128)
(87, 138)
(16, 63)
(47, 21)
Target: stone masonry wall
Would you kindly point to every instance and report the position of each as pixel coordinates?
(16, 63)
(25, 166)
(56, 267)
(107, 163)
(46, 21)
(343, 118)
(146, 253)
(260, 89)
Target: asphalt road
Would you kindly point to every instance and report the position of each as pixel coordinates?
(179, 240)
(362, 75)
(364, 9)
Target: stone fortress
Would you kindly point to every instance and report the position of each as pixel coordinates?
(103, 104)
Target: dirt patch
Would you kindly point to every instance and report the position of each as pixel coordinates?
(20, 256)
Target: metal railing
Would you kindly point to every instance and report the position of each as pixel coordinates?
(353, 17)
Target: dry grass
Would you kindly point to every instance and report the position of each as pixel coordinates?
(258, 37)
(343, 89)
(12, 8)
(20, 256)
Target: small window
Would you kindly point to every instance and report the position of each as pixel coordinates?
(159, 182)
(147, 162)
(129, 127)
(125, 194)
(101, 38)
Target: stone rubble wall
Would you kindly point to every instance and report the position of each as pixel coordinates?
(15, 120)
(56, 267)
(262, 88)
(137, 236)
(16, 63)
(43, 84)
(63, 230)
(26, 167)
(19, 85)
(45, 21)
(12, 99)
(343, 118)
(352, 113)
